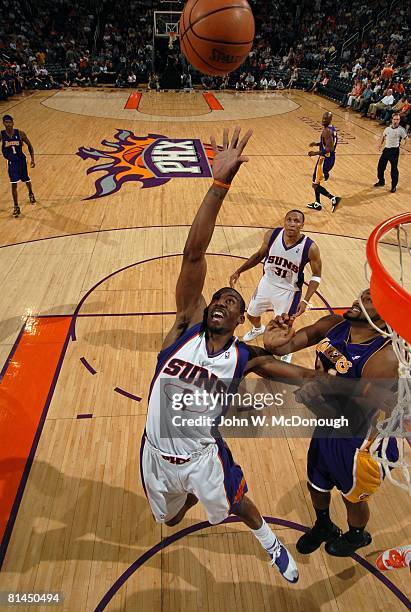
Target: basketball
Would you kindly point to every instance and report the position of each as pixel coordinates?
(216, 35)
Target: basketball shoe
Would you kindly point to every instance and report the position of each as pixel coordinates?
(253, 333)
(283, 561)
(315, 206)
(314, 537)
(334, 203)
(394, 558)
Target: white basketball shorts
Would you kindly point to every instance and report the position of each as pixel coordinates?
(211, 475)
(269, 297)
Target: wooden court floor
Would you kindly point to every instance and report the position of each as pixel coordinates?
(87, 296)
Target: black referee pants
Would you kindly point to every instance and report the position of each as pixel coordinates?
(389, 154)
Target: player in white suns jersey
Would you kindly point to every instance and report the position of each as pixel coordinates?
(286, 252)
(183, 460)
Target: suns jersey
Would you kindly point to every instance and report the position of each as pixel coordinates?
(182, 367)
(335, 142)
(347, 359)
(284, 266)
(12, 146)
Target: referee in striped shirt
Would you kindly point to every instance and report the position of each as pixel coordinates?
(391, 152)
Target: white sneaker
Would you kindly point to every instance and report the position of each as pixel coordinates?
(284, 562)
(287, 358)
(253, 333)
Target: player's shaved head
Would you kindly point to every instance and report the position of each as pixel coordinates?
(327, 118)
(7, 118)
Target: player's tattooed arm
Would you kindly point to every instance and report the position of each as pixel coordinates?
(252, 261)
(189, 300)
(24, 138)
(303, 338)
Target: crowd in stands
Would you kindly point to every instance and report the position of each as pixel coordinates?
(299, 43)
(34, 37)
(127, 44)
(379, 94)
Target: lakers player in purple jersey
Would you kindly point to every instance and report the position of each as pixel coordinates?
(12, 148)
(178, 471)
(326, 160)
(347, 347)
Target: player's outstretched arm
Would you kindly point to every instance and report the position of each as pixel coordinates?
(303, 338)
(24, 138)
(252, 261)
(189, 300)
(263, 363)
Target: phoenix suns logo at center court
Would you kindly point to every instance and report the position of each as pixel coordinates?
(152, 160)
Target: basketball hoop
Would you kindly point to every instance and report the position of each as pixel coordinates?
(171, 39)
(393, 303)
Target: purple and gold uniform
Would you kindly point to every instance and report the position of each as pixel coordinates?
(346, 463)
(12, 149)
(325, 161)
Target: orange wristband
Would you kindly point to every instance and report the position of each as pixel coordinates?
(223, 185)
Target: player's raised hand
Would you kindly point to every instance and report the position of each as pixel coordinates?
(278, 332)
(234, 278)
(228, 160)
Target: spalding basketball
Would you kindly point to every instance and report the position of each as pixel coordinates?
(216, 35)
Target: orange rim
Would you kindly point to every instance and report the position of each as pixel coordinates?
(391, 300)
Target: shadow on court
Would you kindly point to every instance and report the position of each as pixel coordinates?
(234, 571)
(65, 517)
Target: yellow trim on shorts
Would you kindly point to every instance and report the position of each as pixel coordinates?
(367, 477)
(319, 176)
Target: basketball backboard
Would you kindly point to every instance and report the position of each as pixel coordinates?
(166, 22)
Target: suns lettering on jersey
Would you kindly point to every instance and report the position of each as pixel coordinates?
(282, 264)
(195, 374)
(341, 363)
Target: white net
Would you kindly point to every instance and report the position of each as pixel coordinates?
(395, 252)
